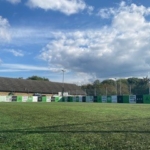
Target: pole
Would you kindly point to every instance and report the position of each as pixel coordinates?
(116, 86)
(148, 84)
(130, 89)
(63, 83)
(120, 86)
(149, 87)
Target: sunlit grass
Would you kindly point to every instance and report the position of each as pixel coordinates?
(44, 126)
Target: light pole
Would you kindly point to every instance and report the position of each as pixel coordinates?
(148, 84)
(130, 89)
(116, 85)
(63, 83)
(120, 86)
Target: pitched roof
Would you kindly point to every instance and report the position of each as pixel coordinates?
(37, 86)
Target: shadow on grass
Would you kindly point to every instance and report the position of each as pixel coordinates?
(60, 128)
(100, 122)
(78, 132)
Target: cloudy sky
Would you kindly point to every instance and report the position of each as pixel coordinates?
(89, 39)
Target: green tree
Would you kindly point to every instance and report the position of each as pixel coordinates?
(37, 78)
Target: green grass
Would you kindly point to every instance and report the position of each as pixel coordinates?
(74, 126)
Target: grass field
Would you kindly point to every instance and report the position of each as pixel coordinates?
(74, 126)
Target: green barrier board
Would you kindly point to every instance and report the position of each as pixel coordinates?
(44, 98)
(63, 99)
(19, 98)
(99, 99)
(57, 99)
(146, 99)
(77, 98)
(109, 99)
(70, 99)
(125, 98)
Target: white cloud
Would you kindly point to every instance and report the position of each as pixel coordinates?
(123, 8)
(105, 12)
(121, 49)
(21, 67)
(90, 9)
(15, 52)
(4, 30)
(14, 1)
(67, 7)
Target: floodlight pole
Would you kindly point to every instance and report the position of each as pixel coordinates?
(116, 86)
(149, 88)
(63, 83)
(130, 89)
(148, 84)
(120, 86)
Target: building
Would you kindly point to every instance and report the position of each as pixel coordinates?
(17, 87)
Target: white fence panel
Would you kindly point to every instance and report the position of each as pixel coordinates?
(114, 98)
(104, 99)
(132, 99)
(2, 98)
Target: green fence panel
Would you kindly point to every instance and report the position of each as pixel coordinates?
(139, 99)
(95, 99)
(63, 99)
(99, 99)
(57, 99)
(83, 98)
(77, 98)
(146, 99)
(125, 98)
(70, 98)
(44, 99)
(119, 98)
(109, 99)
(19, 98)
(60, 99)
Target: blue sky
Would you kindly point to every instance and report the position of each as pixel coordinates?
(89, 39)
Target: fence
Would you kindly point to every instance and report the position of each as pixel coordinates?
(133, 99)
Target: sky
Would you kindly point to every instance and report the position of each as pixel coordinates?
(88, 39)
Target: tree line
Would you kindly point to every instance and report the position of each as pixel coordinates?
(128, 86)
(34, 77)
(137, 86)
